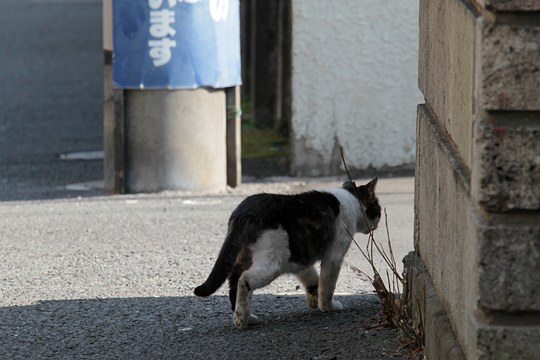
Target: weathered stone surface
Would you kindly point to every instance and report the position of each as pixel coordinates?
(440, 341)
(511, 5)
(508, 343)
(510, 75)
(308, 161)
(509, 267)
(444, 229)
(507, 173)
(477, 196)
(446, 64)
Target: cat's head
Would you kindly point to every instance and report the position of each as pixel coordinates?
(369, 202)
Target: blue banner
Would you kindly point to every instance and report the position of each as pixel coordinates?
(176, 44)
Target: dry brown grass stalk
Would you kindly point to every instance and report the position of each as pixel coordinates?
(394, 302)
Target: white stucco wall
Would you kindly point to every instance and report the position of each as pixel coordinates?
(354, 84)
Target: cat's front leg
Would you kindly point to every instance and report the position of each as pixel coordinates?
(327, 284)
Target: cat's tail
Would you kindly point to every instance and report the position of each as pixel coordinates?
(225, 261)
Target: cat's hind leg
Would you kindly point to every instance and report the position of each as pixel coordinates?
(310, 280)
(270, 253)
(249, 281)
(243, 263)
(242, 309)
(240, 294)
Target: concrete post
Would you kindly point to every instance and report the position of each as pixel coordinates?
(175, 140)
(166, 139)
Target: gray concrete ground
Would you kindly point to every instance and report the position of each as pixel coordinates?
(112, 277)
(86, 275)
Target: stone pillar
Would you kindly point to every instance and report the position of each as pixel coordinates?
(477, 201)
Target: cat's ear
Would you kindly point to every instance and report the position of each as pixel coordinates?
(349, 185)
(372, 184)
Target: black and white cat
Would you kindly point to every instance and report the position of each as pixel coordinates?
(272, 234)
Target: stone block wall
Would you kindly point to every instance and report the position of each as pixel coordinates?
(477, 203)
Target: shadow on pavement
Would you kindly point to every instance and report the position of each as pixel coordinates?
(192, 328)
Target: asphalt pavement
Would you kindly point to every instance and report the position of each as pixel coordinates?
(111, 277)
(51, 95)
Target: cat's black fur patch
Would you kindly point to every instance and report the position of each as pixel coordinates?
(227, 257)
(308, 218)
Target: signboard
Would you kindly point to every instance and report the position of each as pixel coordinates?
(176, 44)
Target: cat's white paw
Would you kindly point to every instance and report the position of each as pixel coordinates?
(336, 306)
(332, 306)
(242, 320)
(253, 320)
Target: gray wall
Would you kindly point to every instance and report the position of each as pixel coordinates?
(50, 94)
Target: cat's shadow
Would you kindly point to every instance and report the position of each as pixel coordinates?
(188, 327)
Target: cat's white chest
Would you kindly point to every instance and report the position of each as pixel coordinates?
(350, 209)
